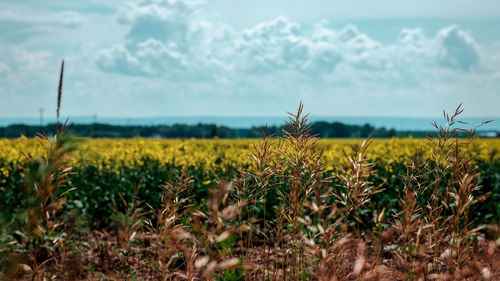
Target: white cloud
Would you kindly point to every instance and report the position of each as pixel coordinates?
(19, 27)
(457, 49)
(20, 60)
(272, 46)
(31, 61)
(119, 59)
(4, 69)
(169, 41)
(166, 37)
(67, 19)
(158, 41)
(164, 20)
(23, 79)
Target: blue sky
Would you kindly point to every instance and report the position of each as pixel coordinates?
(250, 58)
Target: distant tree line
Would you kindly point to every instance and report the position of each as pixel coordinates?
(203, 131)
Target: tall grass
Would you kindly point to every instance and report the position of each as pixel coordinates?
(434, 225)
(40, 232)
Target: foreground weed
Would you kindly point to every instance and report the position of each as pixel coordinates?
(170, 237)
(357, 189)
(43, 239)
(129, 220)
(434, 227)
(302, 171)
(217, 231)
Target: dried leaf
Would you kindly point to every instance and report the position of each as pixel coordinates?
(229, 263)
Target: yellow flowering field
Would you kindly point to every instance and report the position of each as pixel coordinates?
(208, 153)
(115, 166)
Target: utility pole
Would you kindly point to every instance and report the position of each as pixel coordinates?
(41, 109)
(94, 122)
(129, 130)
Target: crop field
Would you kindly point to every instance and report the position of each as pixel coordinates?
(291, 208)
(113, 166)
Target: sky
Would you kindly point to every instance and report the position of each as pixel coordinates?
(149, 58)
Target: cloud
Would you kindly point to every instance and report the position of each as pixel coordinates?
(18, 28)
(66, 19)
(150, 57)
(158, 41)
(414, 39)
(271, 46)
(164, 20)
(281, 45)
(457, 49)
(18, 60)
(4, 69)
(83, 7)
(168, 38)
(118, 59)
(23, 79)
(31, 61)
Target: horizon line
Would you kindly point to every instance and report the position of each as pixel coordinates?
(439, 116)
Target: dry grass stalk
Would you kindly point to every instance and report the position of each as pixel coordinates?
(435, 235)
(216, 232)
(253, 186)
(410, 225)
(169, 235)
(302, 171)
(357, 188)
(45, 234)
(206, 251)
(129, 220)
(59, 94)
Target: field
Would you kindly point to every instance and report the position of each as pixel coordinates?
(296, 208)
